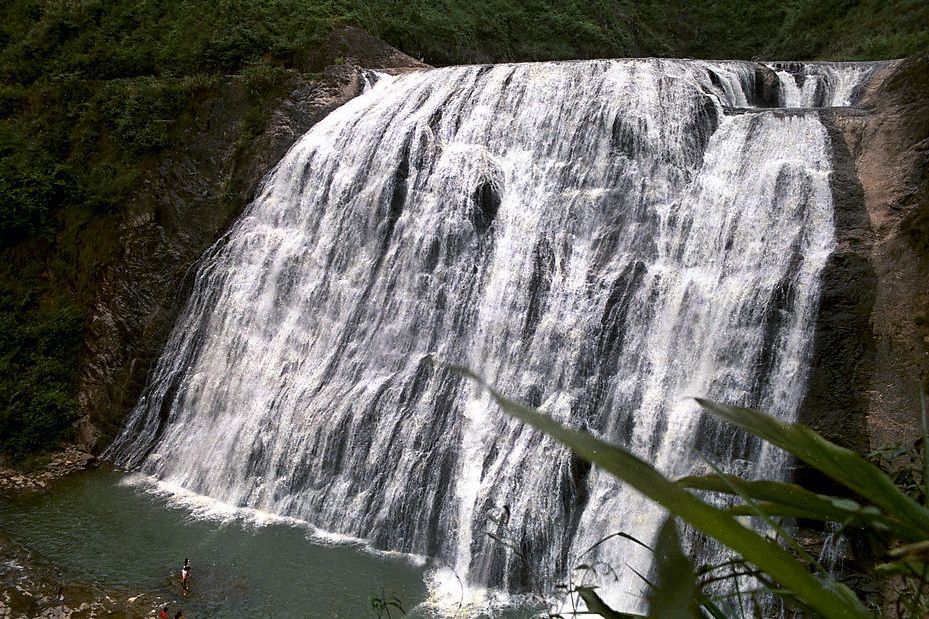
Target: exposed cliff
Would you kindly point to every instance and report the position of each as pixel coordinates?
(872, 334)
(872, 340)
(889, 143)
(186, 202)
(842, 357)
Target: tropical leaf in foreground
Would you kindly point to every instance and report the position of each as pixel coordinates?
(910, 519)
(675, 590)
(787, 500)
(595, 604)
(826, 597)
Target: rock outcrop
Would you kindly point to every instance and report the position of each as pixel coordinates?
(890, 147)
(872, 338)
(842, 358)
(60, 464)
(186, 203)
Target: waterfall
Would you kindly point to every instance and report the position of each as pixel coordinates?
(823, 84)
(600, 239)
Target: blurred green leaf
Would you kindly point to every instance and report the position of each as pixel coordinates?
(826, 597)
(918, 551)
(783, 499)
(595, 604)
(675, 590)
(841, 464)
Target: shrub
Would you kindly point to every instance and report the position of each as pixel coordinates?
(37, 383)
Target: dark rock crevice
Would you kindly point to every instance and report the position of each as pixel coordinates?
(767, 88)
(486, 199)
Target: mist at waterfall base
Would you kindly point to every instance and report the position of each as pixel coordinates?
(600, 239)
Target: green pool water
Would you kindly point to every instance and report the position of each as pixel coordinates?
(99, 528)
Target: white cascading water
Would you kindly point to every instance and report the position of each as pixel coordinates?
(600, 239)
(822, 84)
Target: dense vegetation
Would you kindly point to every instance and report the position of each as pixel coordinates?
(456, 31)
(91, 92)
(91, 95)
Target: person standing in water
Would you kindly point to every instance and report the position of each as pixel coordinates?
(185, 577)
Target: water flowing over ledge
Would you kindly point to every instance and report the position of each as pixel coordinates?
(601, 239)
(823, 84)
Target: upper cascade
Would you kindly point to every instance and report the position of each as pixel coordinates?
(823, 84)
(601, 239)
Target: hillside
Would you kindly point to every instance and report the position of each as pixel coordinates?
(101, 101)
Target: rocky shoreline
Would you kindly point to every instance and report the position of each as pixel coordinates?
(69, 460)
(30, 584)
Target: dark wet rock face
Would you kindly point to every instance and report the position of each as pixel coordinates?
(871, 346)
(888, 140)
(767, 87)
(186, 202)
(843, 351)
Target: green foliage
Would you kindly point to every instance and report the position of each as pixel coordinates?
(904, 464)
(888, 512)
(32, 185)
(72, 148)
(139, 114)
(828, 598)
(451, 31)
(12, 99)
(105, 39)
(746, 28)
(853, 30)
(675, 590)
(908, 519)
(92, 92)
(69, 155)
(681, 588)
(261, 77)
(387, 606)
(595, 604)
(36, 373)
(806, 29)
